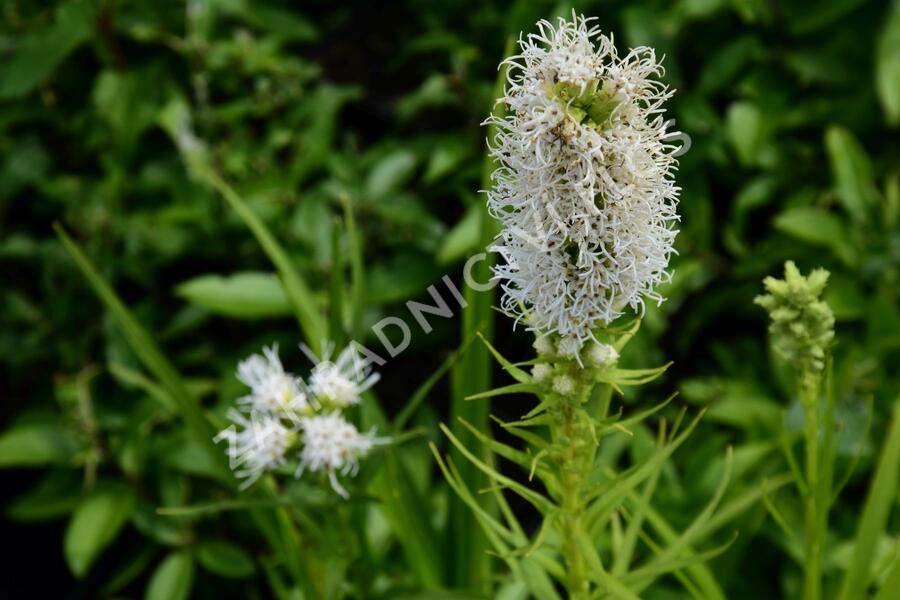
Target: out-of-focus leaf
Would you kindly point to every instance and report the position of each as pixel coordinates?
(55, 495)
(390, 174)
(887, 66)
(460, 240)
(745, 130)
(37, 444)
(881, 497)
(41, 52)
(816, 226)
(406, 276)
(225, 559)
(172, 579)
(94, 525)
(852, 171)
(248, 295)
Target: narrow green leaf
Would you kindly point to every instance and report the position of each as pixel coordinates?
(881, 496)
(145, 348)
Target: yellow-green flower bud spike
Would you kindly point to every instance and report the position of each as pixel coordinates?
(802, 324)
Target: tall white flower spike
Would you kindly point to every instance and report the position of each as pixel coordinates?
(331, 444)
(341, 382)
(584, 186)
(272, 389)
(255, 445)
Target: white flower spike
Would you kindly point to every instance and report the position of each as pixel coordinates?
(333, 445)
(584, 186)
(272, 389)
(256, 444)
(339, 383)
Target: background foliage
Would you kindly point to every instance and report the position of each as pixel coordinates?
(373, 109)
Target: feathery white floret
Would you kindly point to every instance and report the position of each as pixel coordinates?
(339, 383)
(602, 355)
(541, 371)
(255, 445)
(332, 444)
(584, 185)
(272, 389)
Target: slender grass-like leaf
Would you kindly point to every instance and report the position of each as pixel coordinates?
(881, 496)
(302, 301)
(152, 357)
(465, 541)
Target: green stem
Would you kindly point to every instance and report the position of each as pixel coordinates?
(813, 543)
(575, 445)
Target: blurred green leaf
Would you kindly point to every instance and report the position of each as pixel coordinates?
(172, 579)
(881, 497)
(745, 130)
(37, 444)
(390, 174)
(94, 525)
(40, 53)
(852, 171)
(247, 295)
(56, 494)
(225, 559)
(816, 226)
(459, 241)
(887, 66)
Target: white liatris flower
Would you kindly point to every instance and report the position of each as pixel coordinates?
(256, 444)
(331, 444)
(272, 389)
(341, 382)
(584, 186)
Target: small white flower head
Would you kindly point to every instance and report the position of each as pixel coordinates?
(541, 371)
(601, 356)
(563, 385)
(331, 444)
(568, 347)
(341, 382)
(584, 187)
(543, 345)
(272, 389)
(256, 444)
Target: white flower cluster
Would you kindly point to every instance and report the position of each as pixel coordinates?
(584, 187)
(282, 414)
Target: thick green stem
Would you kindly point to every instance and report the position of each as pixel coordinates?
(575, 446)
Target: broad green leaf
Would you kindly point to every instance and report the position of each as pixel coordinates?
(225, 559)
(881, 497)
(851, 170)
(819, 227)
(37, 444)
(94, 525)
(390, 174)
(247, 295)
(887, 66)
(172, 579)
(38, 54)
(744, 125)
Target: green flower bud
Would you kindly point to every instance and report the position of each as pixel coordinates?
(802, 324)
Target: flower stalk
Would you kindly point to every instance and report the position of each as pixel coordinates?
(802, 331)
